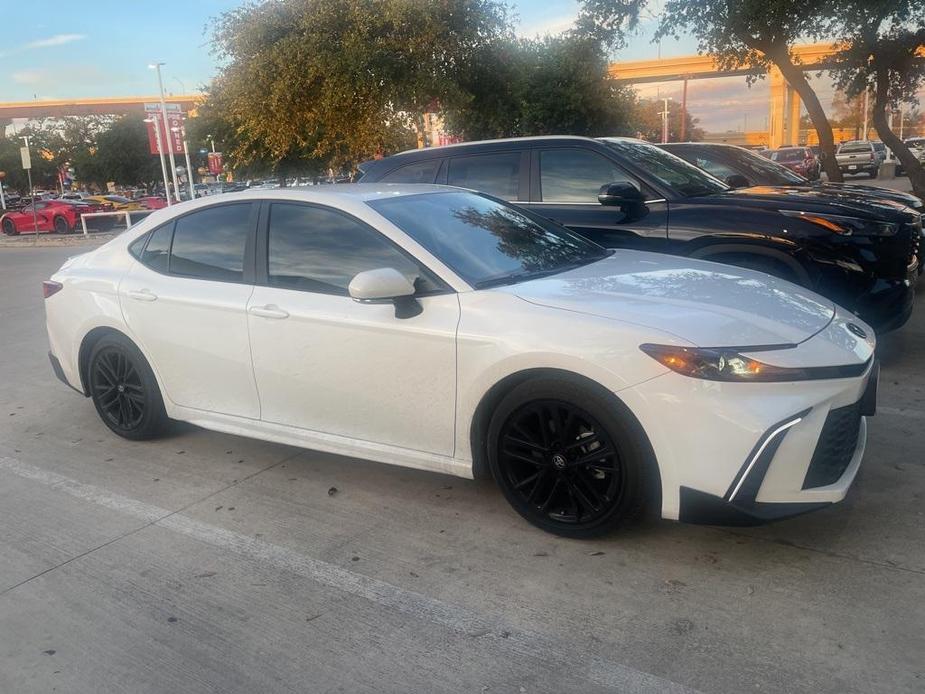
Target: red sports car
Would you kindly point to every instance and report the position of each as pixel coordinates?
(58, 216)
(152, 202)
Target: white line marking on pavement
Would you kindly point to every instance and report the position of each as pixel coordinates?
(461, 620)
(914, 414)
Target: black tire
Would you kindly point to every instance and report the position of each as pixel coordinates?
(9, 227)
(547, 484)
(761, 263)
(872, 174)
(124, 390)
(60, 225)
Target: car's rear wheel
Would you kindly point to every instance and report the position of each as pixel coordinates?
(565, 458)
(124, 390)
(9, 227)
(61, 226)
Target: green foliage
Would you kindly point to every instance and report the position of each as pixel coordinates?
(335, 81)
(554, 85)
(122, 155)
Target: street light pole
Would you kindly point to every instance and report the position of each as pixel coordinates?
(866, 106)
(173, 163)
(664, 115)
(160, 151)
(27, 159)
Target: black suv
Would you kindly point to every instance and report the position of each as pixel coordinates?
(623, 193)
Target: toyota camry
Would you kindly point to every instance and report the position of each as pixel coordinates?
(445, 330)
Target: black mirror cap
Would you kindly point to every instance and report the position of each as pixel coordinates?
(737, 181)
(619, 193)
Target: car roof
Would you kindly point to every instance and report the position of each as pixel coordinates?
(499, 141)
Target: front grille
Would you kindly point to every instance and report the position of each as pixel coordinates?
(836, 446)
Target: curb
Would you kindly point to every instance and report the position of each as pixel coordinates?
(48, 241)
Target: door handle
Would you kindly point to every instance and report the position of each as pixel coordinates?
(142, 294)
(268, 311)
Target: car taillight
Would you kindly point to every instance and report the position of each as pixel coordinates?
(50, 288)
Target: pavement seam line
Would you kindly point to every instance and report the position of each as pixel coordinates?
(18, 468)
(531, 645)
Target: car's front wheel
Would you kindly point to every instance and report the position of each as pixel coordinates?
(567, 458)
(124, 389)
(9, 227)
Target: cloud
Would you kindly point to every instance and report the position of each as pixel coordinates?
(552, 25)
(56, 40)
(29, 76)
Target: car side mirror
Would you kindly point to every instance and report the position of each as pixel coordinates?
(737, 181)
(386, 284)
(620, 193)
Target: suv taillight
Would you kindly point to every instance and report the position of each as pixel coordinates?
(50, 288)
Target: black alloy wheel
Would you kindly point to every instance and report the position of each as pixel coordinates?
(572, 469)
(61, 225)
(9, 227)
(124, 390)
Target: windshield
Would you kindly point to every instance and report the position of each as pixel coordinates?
(486, 242)
(787, 155)
(683, 179)
(762, 170)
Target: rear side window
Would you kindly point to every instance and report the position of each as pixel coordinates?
(209, 244)
(495, 174)
(156, 253)
(319, 250)
(419, 172)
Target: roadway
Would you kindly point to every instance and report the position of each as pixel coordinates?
(210, 563)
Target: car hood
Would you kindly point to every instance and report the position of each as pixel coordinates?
(835, 200)
(907, 199)
(703, 303)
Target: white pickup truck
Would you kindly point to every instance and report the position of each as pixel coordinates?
(859, 156)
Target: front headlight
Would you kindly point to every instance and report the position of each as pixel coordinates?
(846, 226)
(721, 364)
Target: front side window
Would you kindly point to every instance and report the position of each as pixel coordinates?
(419, 172)
(683, 179)
(486, 242)
(316, 249)
(209, 244)
(575, 175)
(495, 174)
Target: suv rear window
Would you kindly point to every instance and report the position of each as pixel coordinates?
(418, 172)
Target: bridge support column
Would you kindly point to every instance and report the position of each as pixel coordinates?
(793, 119)
(777, 108)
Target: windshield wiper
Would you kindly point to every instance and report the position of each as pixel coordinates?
(521, 276)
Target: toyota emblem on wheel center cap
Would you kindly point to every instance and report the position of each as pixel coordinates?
(857, 330)
(558, 461)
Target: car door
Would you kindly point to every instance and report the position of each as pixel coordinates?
(567, 183)
(185, 302)
(327, 363)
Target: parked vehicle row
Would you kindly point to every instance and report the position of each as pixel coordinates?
(861, 251)
(51, 216)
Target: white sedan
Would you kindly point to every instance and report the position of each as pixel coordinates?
(445, 330)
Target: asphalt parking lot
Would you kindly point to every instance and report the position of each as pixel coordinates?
(209, 563)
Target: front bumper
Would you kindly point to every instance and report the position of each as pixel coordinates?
(746, 453)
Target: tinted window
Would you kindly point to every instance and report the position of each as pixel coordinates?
(486, 242)
(157, 251)
(788, 155)
(209, 244)
(419, 172)
(760, 169)
(676, 174)
(853, 147)
(319, 250)
(574, 175)
(496, 174)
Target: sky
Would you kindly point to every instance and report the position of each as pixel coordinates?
(102, 48)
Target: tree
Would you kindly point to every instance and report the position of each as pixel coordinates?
(337, 81)
(44, 171)
(760, 34)
(881, 40)
(121, 155)
(554, 85)
(739, 33)
(647, 120)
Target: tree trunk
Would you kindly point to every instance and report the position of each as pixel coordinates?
(797, 79)
(910, 162)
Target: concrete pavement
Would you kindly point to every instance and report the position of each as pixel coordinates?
(205, 562)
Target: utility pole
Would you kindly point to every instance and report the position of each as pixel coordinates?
(866, 105)
(664, 115)
(26, 156)
(684, 112)
(173, 163)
